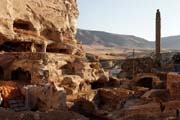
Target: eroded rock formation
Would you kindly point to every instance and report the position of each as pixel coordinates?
(38, 48)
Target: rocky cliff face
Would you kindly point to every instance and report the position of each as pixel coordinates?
(38, 46)
(53, 19)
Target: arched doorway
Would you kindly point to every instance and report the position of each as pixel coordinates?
(21, 75)
(1, 73)
(146, 82)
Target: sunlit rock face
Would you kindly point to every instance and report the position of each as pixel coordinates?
(38, 46)
(53, 19)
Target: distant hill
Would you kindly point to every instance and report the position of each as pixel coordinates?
(112, 40)
(106, 39)
(171, 42)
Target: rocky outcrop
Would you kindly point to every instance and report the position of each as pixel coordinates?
(173, 85)
(44, 97)
(38, 25)
(90, 71)
(39, 51)
(53, 19)
(112, 99)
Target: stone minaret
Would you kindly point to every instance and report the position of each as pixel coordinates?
(158, 35)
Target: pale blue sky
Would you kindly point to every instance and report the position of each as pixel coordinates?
(132, 17)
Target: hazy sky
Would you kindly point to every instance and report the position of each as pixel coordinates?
(133, 17)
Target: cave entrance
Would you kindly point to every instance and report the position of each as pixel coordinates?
(23, 25)
(16, 46)
(21, 75)
(64, 51)
(145, 82)
(1, 73)
(97, 84)
(58, 48)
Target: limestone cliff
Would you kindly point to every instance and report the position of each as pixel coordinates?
(38, 46)
(49, 18)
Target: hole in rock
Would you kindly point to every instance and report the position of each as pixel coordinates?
(15, 46)
(57, 48)
(97, 84)
(1, 73)
(21, 75)
(145, 82)
(24, 25)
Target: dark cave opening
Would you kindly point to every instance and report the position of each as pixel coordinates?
(51, 50)
(1, 73)
(21, 75)
(24, 25)
(145, 82)
(97, 84)
(16, 46)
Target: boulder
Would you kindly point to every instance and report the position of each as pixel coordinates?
(84, 107)
(44, 97)
(90, 71)
(73, 84)
(112, 99)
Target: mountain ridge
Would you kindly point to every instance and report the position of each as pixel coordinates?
(106, 39)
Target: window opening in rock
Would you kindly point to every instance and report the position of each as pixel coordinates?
(1, 73)
(15, 47)
(145, 82)
(97, 84)
(64, 51)
(21, 75)
(24, 25)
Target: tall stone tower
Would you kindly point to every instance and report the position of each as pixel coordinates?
(158, 35)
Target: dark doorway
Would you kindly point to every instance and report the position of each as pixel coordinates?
(1, 73)
(145, 82)
(15, 46)
(63, 51)
(21, 75)
(97, 84)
